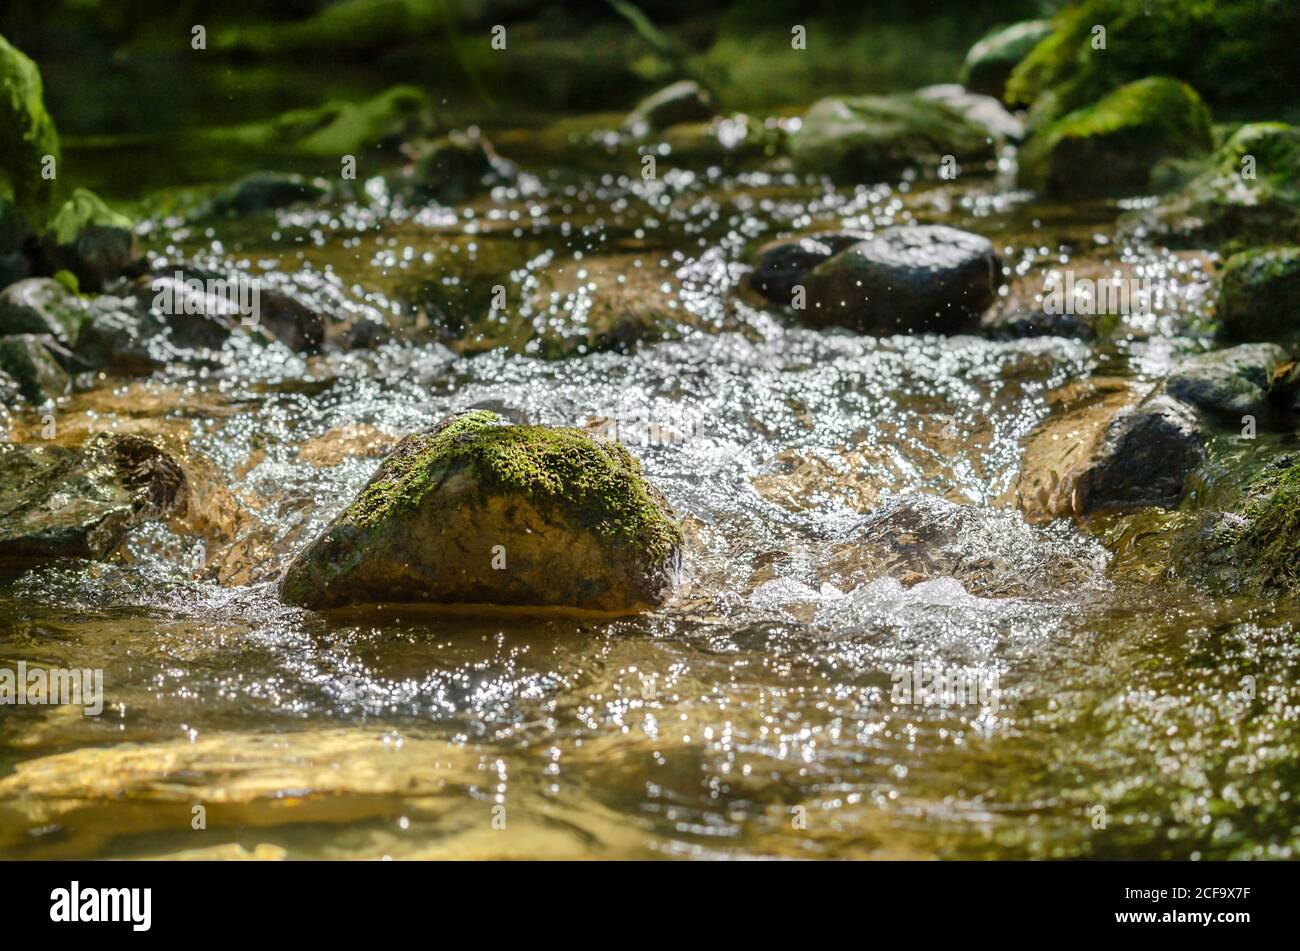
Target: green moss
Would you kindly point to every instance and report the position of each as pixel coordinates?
(1273, 536)
(26, 136)
(989, 63)
(83, 210)
(599, 483)
(1234, 52)
(1259, 290)
(1115, 142)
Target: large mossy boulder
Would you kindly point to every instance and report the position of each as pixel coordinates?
(989, 63)
(64, 503)
(1233, 52)
(1260, 295)
(1112, 145)
(1247, 193)
(27, 136)
(909, 279)
(479, 511)
(862, 138)
(90, 240)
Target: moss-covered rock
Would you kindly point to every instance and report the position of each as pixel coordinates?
(90, 240)
(1247, 193)
(989, 63)
(1112, 145)
(332, 129)
(1253, 548)
(63, 503)
(26, 136)
(1231, 383)
(1234, 52)
(1260, 295)
(481, 511)
(29, 360)
(862, 138)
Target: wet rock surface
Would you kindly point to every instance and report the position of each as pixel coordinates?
(1260, 291)
(906, 280)
(480, 511)
(1231, 383)
(59, 503)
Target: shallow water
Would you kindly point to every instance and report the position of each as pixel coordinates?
(850, 509)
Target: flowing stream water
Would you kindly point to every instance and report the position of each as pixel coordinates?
(850, 508)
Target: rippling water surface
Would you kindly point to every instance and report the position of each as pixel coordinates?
(850, 509)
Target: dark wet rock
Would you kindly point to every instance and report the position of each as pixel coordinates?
(1026, 322)
(1247, 194)
(989, 63)
(41, 305)
(1229, 383)
(27, 136)
(295, 324)
(1260, 295)
(862, 138)
(63, 503)
(262, 191)
(985, 111)
(780, 265)
(1112, 145)
(30, 360)
(567, 520)
(10, 393)
(1143, 458)
(90, 240)
(451, 170)
(912, 279)
(683, 101)
(119, 333)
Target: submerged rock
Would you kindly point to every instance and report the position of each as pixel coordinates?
(1113, 144)
(27, 137)
(1143, 458)
(683, 101)
(989, 63)
(29, 360)
(861, 138)
(1229, 383)
(1260, 295)
(480, 511)
(1248, 193)
(57, 502)
(41, 305)
(912, 279)
(89, 239)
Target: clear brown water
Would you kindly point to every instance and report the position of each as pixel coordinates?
(753, 715)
